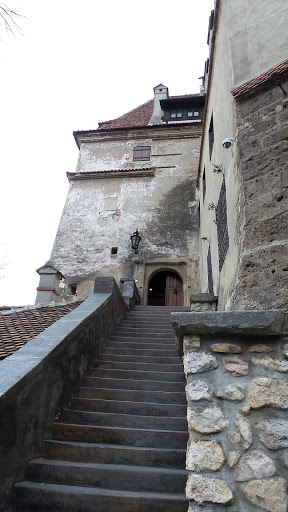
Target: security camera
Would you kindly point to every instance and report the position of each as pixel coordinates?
(227, 142)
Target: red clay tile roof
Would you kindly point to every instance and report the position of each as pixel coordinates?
(270, 73)
(139, 116)
(19, 327)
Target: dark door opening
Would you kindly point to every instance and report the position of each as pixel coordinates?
(165, 289)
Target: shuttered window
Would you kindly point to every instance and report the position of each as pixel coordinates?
(141, 153)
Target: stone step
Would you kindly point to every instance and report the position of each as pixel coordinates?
(141, 359)
(118, 407)
(108, 476)
(142, 332)
(51, 497)
(136, 375)
(157, 318)
(148, 385)
(160, 344)
(137, 352)
(135, 322)
(115, 435)
(134, 338)
(159, 310)
(113, 454)
(123, 420)
(153, 367)
(131, 395)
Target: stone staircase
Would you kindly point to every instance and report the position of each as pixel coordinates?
(121, 446)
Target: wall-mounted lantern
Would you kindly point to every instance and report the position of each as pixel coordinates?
(135, 240)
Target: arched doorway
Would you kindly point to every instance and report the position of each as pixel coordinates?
(165, 289)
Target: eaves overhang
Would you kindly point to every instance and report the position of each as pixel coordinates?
(111, 173)
(192, 100)
(93, 135)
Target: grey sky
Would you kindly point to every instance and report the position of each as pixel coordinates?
(77, 63)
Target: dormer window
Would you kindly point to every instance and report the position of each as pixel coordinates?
(193, 112)
(176, 113)
(141, 153)
(184, 113)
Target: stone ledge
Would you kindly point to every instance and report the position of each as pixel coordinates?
(270, 322)
(203, 297)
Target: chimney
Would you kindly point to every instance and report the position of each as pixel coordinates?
(160, 93)
(48, 289)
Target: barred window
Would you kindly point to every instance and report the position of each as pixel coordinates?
(222, 226)
(141, 153)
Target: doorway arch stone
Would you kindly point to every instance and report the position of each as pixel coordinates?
(165, 289)
(154, 268)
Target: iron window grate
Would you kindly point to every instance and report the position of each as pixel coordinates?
(222, 226)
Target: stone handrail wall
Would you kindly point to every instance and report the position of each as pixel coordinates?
(237, 393)
(40, 378)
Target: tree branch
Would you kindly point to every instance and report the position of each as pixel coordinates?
(8, 20)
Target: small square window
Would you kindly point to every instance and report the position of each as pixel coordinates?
(179, 112)
(173, 114)
(196, 113)
(141, 153)
(72, 289)
(114, 250)
(190, 113)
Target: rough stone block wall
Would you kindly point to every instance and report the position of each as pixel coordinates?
(262, 132)
(237, 394)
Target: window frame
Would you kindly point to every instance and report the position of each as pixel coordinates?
(141, 153)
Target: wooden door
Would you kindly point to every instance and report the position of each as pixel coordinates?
(173, 291)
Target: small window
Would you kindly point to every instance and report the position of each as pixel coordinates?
(114, 250)
(193, 112)
(204, 184)
(209, 271)
(141, 153)
(72, 289)
(176, 113)
(211, 137)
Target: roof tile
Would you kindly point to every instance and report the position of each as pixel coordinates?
(139, 116)
(260, 79)
(19, 327)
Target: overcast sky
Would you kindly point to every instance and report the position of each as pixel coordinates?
(77, 64)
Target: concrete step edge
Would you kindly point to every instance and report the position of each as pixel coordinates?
(78, 491)
(119, 447)
(111, 467)
(123, 429)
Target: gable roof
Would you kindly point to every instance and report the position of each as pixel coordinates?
(19, 327)
(271, 73)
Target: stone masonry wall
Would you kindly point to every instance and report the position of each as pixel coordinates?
(262, 133)
(237, 394)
